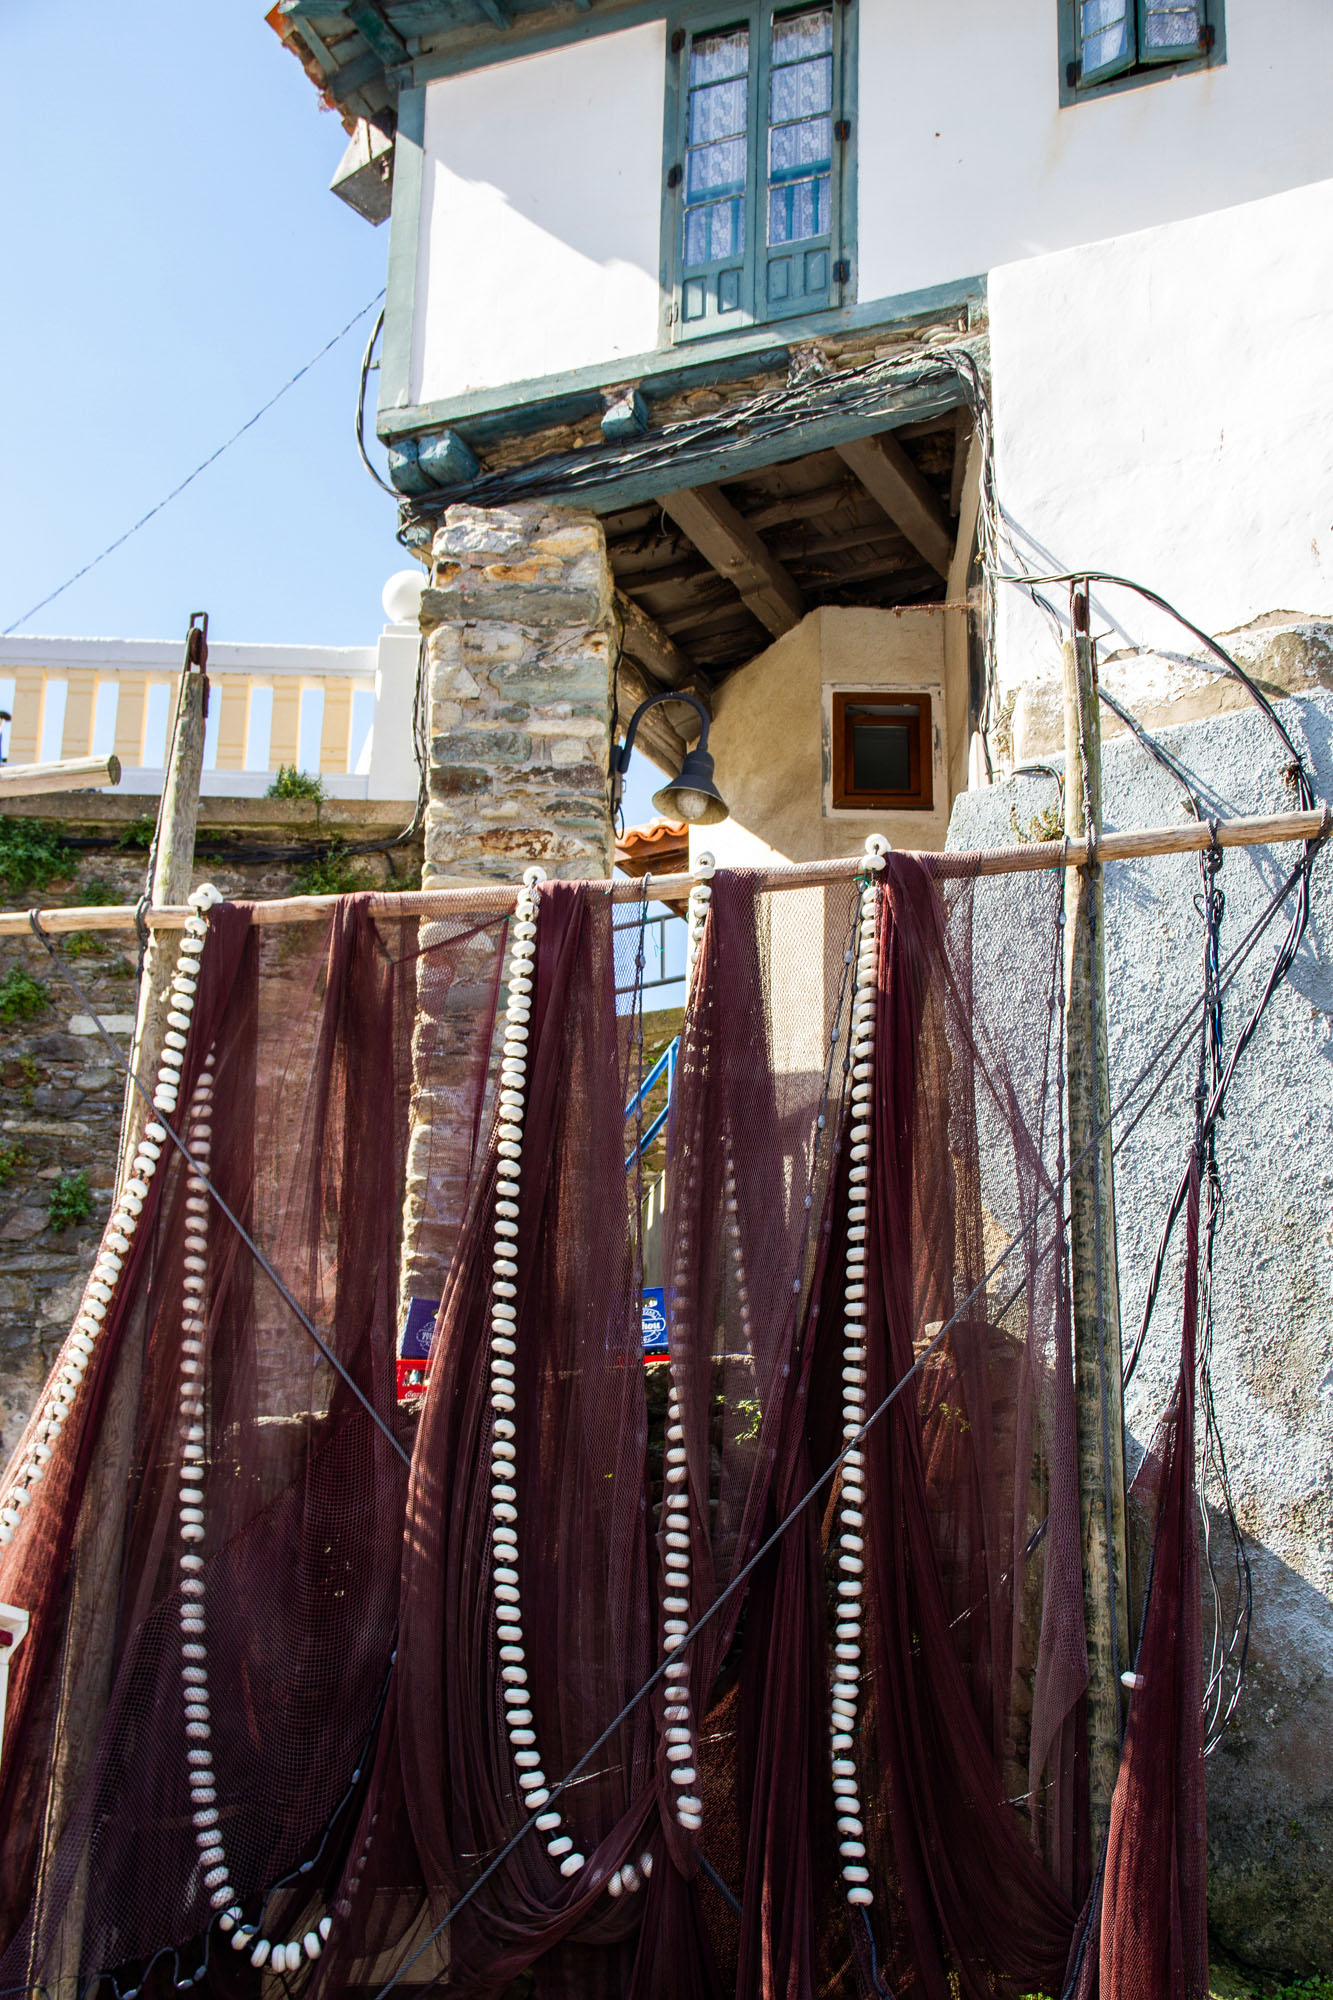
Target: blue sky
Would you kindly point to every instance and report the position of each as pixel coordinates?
(172, 255)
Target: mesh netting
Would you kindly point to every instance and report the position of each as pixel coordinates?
(360, 1697)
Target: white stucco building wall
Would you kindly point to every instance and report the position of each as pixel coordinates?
(540, 222)
(967, 159)
(539, 241)
(1163, 410)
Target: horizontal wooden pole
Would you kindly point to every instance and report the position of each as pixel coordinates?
(69, 774)
(1022, 858)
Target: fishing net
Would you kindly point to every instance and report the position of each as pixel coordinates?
(399, 1662)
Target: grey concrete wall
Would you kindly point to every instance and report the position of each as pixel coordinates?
(1270, 1784)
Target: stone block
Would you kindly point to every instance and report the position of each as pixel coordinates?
(471, 531)
(582, 539)
(22, 1224)
(497, 747)
(457, 781)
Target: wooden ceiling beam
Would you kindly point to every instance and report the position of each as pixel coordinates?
(726, 539)
(889, 476)
(803, 506)
(656, 735)
(798, 554)
(644, 640)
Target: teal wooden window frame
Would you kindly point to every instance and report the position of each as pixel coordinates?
(739, 291)
(1096, 72)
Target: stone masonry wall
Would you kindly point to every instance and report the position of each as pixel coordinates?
(519, 641)
(518, 625)
(61, 1093)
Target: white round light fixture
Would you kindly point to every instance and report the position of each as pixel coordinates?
(401, 596)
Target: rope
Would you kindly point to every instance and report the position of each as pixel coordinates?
(34, 919)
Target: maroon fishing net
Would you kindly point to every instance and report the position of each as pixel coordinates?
(384, 1670)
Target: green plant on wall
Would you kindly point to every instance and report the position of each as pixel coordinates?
(293, 784)
(13, 1160)
(22, 997)
(332, 873)
(31, 854)
(71, 1200)
(139, 832)
(94, 893)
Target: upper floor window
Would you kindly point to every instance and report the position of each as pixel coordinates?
(1135, 40)
(755, 172)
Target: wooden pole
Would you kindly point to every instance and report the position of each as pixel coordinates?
(69, 774)
(173, 867)
(89, 1651)
(1092, 1250)
(1030, 858)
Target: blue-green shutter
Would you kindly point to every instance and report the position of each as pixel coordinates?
(800, 103)
(719, 116)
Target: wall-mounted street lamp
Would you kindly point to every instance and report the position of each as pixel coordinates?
(691, 795)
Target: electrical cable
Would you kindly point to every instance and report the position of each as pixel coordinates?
(818, 1484)
(190, 477)
(366, 366)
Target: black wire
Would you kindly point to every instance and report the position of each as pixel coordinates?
(34, 919)
(190, 477)
(818, 1484)
(375, 333)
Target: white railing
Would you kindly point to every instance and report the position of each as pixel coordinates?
(343, 713)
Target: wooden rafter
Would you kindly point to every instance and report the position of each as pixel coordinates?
(643, 639)
(889, 476)
(726, 539)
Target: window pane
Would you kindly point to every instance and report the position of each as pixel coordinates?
(798, 210)
(1106, 30)
(717, 112)
(719, 55)
(714, 230)
(716, 169)
(796, 36)
(1166, 25)
(801, 89)
(881, 757)
(794, 149)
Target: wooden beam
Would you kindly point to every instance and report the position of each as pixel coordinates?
(69, 774)
(889, 476)
(1014, 858)
(962, 439)
(370, 23)
(643, 639)
(494, 12)
(735, 551)
(1094, 1288)
(657, 736)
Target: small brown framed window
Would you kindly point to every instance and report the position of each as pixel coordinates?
(882, 752)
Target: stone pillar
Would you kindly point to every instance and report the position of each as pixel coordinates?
(519, 642)
(519, 645)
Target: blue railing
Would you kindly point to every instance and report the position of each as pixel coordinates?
(664, 1066)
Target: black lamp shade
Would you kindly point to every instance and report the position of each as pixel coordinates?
(692, 796)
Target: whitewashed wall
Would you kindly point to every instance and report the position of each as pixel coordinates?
(967, 158)
(1164, 411)
(540, 245)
